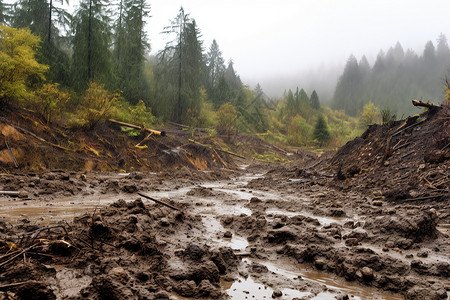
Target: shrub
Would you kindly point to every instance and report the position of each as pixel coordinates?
(226, 116)
(96, 107)
(49, 102)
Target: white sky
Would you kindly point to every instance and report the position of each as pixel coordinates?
(270, 39)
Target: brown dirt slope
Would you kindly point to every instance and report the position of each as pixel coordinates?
(37, 146)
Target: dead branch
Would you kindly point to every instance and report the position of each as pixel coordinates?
(158, 201)
(423, 104)
(424, 198)
(6, 286)
(161, 133)
(12, 154)
(24, 131)
(10, 193)
(17, 255)
(221, 150)
(408, 154)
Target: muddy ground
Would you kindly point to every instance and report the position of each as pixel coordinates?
(370, 221)
(238, 234)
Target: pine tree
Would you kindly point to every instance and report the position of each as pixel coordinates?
(130, 48)
(215, 65)
(180, 67)
(41, 17)
(92, 57)
(315, 100)
(321, 131)
(5, 12)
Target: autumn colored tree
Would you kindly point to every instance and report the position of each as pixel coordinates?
(18, 63)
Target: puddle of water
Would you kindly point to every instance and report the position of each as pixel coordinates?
(247, 288)
(214, 226)
(54, 210)
(360, 292)
(322, 220)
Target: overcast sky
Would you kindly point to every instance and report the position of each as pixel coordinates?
(270, 39)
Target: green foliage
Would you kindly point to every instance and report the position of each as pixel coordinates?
(96, 107)
(129, 49)
(49, 102)
(138, 114)
(315, 100)
(299, 132)
(370, 115)
(387, 116)
(179, 71)
(92, 57)
(226, 116)
(18, 63)
(321, 131)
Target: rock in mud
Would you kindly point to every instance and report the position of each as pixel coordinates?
(367, 273)
(277, 294)
(194, 252)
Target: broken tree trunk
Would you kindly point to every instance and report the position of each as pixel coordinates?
(161, 133)
(158, 201)
(423, 104)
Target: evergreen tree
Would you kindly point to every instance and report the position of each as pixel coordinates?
(41, 16)
(315, 100)
(5, 12)
(348, 94)
(215, 67)
(181, 66)
(130, 48)
(321, 132)
(92, 57)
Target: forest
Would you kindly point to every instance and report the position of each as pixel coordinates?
(77, 70)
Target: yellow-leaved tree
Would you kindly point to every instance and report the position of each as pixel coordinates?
(18, 63)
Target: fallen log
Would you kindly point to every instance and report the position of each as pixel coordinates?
(9, 193)
(161, 133)
(158, 201)
(423, 104)
(221, 150)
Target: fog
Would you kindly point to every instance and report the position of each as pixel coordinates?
(283, 44)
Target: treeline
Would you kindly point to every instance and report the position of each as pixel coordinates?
(396, 78)
(81, 69)
(105, 43)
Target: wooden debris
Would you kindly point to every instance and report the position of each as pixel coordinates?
(189, 127)
(158, 201)
(12, 154)
(242, 254)
(424, 198)
(6, 286)
(423, 104)
(161, 133)
(221, 150)
(10, 193)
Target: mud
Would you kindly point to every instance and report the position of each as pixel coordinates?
(236, 235)
(355, 224)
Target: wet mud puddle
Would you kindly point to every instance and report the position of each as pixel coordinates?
(221, 198)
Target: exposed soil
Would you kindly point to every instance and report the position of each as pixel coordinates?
(370, 221)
